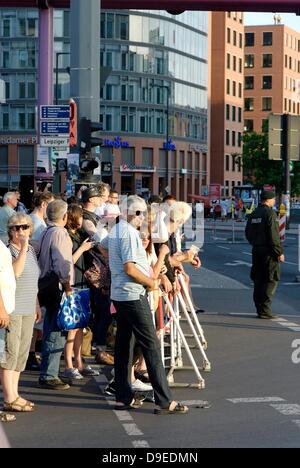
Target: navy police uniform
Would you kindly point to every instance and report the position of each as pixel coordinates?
(262, 232)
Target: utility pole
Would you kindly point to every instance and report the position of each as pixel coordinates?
(285, 155)
(85, 57)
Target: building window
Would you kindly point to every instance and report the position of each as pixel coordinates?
(227, 137)
(22, 93)
(233, 163)
(249, 39)
(108, 125)
(285, 104)
(228, 61)
(108, 92)
(5, 121)
(7, 90)
(233, 139)
(267, 82)
(286, 61)
(239, 114)
(234, 88)
(239, 139)
(248, 125)
(240, 65)
(227, 159)
(266, 103)
(228, 87)
(267, 60)
(143, 124)
(265, 125)
(249, 82)
(267, 38)
(241, 41)
(31, 91)
(227, 112)
(249, 104)
(6, 27)
(240, 90)
(234, 38)
(249, 61)
(234, 63)
(228, 35)
(233, 113)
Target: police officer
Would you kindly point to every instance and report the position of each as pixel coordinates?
(262, 232)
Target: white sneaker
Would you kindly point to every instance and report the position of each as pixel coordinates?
(139, 386)
(72, 374)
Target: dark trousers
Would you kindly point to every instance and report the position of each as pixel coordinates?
(135, 317)
(102, 318)
(263, 295)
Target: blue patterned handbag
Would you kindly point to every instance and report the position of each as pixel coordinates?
(74, 310)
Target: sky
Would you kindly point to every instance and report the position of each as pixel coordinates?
(291, 20)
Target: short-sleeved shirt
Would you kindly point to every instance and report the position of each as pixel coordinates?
(7, 279)
(5, 213)
(27, 283)
(125, 246)
(39, 227)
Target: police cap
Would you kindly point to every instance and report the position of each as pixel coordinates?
(268, 195)
(90, 193)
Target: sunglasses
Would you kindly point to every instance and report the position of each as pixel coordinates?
(18, 227)
(141, 213)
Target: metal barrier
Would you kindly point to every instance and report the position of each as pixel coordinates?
(172, 308)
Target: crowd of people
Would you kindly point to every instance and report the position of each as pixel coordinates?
(123, 251)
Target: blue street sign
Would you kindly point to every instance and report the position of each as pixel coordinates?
(55, 112)
(55, 128)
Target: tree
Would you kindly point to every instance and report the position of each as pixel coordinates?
(258, 168)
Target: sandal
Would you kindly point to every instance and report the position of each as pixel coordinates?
(5, 417)
(16, 407)
(179, 408)
(136, 403)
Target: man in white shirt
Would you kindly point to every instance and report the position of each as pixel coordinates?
(38, 216)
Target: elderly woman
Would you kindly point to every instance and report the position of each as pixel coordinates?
(26, 312)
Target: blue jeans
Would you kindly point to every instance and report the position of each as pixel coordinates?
(53, 342)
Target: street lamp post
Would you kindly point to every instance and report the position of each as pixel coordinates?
(167, 131)
(57, 55)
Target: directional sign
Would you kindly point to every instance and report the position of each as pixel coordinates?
(55, 128)
(54, 141)
(55, 112)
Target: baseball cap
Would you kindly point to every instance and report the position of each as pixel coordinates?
(268, 195)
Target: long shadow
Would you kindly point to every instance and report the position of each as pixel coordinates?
(244, 327)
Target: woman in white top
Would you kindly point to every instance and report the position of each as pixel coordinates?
(7, 306)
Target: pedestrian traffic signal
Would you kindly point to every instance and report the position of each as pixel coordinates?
(87, 140)
(88, 165)
(73, 123)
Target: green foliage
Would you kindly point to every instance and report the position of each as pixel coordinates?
(258, 169)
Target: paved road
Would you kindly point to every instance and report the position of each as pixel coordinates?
(253, 389)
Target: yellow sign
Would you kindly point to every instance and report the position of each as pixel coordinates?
(282, 210)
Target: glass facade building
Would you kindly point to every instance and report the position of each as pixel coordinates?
(157, 60)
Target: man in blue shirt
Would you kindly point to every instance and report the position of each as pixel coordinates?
(130, 281)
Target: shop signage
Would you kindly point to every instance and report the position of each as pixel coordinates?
(169, 145)
(18, 140)
(116, 143)
(55, 112)
(55, 141)
(133, 168)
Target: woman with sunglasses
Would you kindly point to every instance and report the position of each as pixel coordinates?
(27, 311)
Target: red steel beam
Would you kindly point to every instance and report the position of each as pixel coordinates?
(287, 6)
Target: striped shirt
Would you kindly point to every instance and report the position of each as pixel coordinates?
(27, 283)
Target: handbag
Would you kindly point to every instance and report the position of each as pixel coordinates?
(74, 310)
(48, 285)
(98, 274)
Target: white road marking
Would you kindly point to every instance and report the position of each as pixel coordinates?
(287, 409)
(295, 329)
(279, 319)
(140, 444)
(290, 284)
(291, 263)
(132, 430)
(289, 324)
(237, 263)
(256, 400)
(123, 415)
(297, 422)
(195, 403)
(242, 314)
(247, 253)
(224, 248)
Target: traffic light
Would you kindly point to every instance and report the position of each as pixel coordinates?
(87, 140)
(88, 165)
